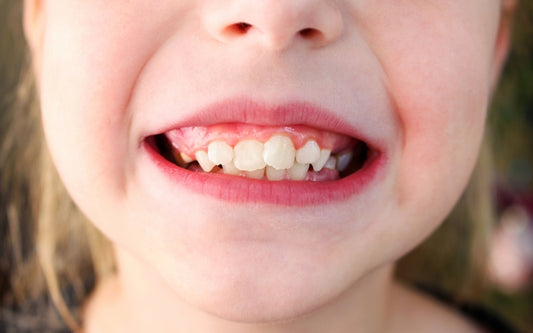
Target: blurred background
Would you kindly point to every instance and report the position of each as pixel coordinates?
(511, 133)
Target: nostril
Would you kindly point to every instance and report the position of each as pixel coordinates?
(310, 33)
(239, 28)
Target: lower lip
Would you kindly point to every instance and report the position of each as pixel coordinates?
(284, 193)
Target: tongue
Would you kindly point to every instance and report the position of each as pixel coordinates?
(188, 140)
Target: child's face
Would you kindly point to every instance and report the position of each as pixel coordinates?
(409, 78)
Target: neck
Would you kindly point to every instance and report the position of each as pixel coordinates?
(138, 300)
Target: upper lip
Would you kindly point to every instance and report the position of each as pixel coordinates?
(244, 110)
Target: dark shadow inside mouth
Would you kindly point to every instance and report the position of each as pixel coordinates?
(361, 153)
(360, 156)
(164, 148)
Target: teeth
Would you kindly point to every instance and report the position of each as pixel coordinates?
(279, 152)
(256, 174)
(230, 169)
(344, 160)
(274, 174)
(331, 163)
(182, 159)
(249, 155)
(274, 160)
(220, 152)
(203, 160)
(324, 156)
(186, 158)
(308, 153)
(298, 171)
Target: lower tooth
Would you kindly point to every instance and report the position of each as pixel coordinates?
(343, 161)
(274, 174)
(203, 160)
(298, 171)
(256, 174)
(230, 169)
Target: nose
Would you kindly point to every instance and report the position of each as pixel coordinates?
(276, 24)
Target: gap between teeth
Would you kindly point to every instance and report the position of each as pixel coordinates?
(276, 159)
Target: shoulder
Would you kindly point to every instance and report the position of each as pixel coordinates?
(414, 311)
(421, 309)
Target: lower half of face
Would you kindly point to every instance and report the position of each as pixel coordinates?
(267, 156)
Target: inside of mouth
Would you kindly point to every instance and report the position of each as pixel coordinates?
(348, 159)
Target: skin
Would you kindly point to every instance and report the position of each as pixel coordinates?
(418, 73)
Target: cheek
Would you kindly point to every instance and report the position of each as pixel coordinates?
(438, 73)
(88, 74)
(438, 68)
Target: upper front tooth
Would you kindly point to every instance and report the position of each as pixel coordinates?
(324, 156)
(308, 153)
(248, 155)
(220, 152)
(279, 152)
(203, 160)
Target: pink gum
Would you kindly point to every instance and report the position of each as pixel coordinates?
(189, 140)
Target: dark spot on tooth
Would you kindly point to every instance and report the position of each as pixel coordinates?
(359, 158)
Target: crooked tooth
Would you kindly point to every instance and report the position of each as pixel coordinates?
(186, 158)
(298, 171)
(203, 160)
(279, 152)
(256, 174)
(220, 152)
(248, 155)
(308, 153)
(343, 160)
(324, 156)
(230, 169)
(274, 174)
(331, 163)
(180, 161)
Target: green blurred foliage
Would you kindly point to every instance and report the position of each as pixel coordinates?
(511, 133)
(511, 115)
(11, 50)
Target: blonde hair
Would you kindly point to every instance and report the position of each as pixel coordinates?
(51, 244)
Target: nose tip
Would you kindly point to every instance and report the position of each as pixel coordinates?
(276, 24)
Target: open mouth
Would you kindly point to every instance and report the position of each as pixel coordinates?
(287, 153)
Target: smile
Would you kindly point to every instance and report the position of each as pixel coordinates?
(266, 159)
(294, 153)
